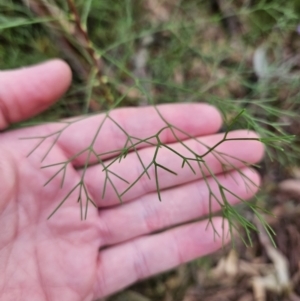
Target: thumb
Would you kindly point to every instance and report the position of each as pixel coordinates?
(8, 178)
(28, 91)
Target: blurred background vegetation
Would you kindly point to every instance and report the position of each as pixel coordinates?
(237, 55)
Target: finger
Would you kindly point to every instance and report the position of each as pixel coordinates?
(104, 135)
(28, 91)
(180, 205)
(150, 255)
(130, 169)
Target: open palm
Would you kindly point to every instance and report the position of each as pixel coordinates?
(65, 258)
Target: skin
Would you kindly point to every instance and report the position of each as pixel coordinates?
(64, 258)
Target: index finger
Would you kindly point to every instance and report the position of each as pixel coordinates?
(108, 134)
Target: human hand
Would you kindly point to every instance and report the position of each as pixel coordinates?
(64, 258)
